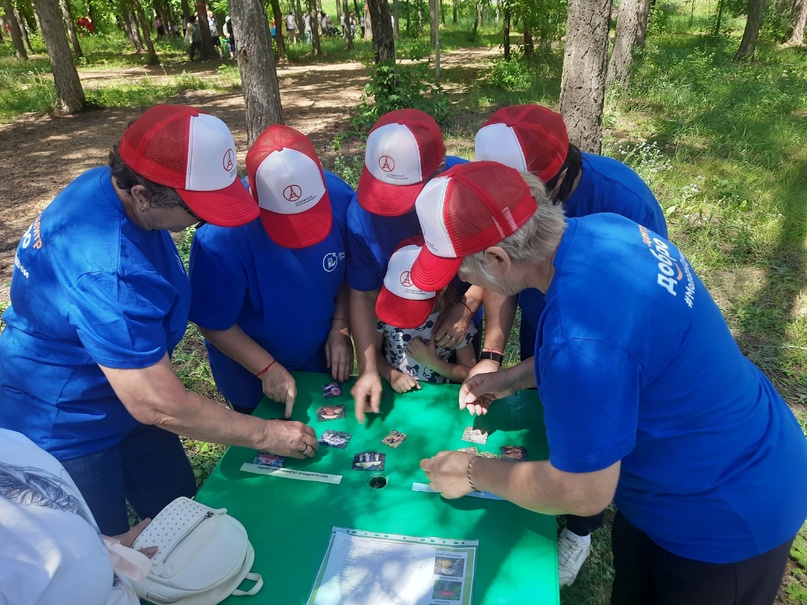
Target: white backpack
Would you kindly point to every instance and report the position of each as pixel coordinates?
(203, 555)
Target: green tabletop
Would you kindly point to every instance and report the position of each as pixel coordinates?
(289, 522)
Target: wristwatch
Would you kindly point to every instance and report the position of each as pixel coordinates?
(494, 355)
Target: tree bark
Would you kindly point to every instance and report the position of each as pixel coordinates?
(279, 39)
(396, 13)
(748, 44)
(348, 32)
(582, 88)
(312, 9)
(631, 28)
(132, 29)
(256, 64)
(16, 32)
(454, 11)
(71, 27)
(145, 25)
(433, 22)
(24, 29)
(799, 23)
(204, 29)
(383, 38)
(69, 93)
(506, 32)
(477, 18)
(529, 45)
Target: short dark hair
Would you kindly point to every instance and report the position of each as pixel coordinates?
(573, 165)
(126, 178)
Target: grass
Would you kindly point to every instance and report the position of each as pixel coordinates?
(721, 144)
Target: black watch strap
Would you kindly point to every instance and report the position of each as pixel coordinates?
(497, 357)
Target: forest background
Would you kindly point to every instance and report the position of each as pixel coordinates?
(719, 135)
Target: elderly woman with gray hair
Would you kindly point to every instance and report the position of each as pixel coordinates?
(647, 398)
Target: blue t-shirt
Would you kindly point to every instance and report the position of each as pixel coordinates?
(606, 185)
(636, 363)
(373, 238)
(282, 298)
(89, 287)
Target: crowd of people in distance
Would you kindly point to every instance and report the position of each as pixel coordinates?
(416, 275)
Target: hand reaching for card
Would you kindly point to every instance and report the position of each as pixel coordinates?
(447, 473)
(402, 382)
(290, 438)
(278, 385)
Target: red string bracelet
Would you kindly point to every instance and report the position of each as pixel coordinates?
(459, 302)
(266, 369)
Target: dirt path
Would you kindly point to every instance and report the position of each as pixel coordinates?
(40, 154)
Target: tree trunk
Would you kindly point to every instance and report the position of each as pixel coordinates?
(146, 27)
(799, 22)
(257, 67)
(204, 29)
(454, 11)
(132, 30)
(24, 29)
(748, 44)
(631, 27)
(506, 32)
(368, 23)
(396, 13)
(719, 18)
(186, 13)
(279, 39)
(312, 9)
(383, 38)
(71, 27)
(348, 32)
(442, 13)
(477, 18)
(16, 33)
(65, 76)
(90, 11)
(529, 46)
(582, 88)
(433, 22)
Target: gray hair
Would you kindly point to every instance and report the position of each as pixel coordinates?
(535, 241)
(159, 196)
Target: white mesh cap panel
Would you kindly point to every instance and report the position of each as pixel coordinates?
(288, 182)
(499, 143)
(393, 155)
(398, 279)
(212, 163)
(430, 207)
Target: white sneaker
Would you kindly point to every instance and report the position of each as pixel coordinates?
(573, 550)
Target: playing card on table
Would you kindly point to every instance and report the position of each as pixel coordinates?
(394, 439)
(268, 459)
(330, 412)
(335, 439)
(369, 461)
(473, 435)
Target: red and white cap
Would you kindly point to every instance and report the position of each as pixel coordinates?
(404, 150)
(467, 209)
(286, 178)
(193, 152)
(531, 138)
(400, 302)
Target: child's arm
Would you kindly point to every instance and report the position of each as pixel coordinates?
(426, 354)
(399, 381)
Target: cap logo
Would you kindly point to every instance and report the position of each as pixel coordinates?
(228, 161)
(386, 163)
(292, 193)
(406, 280)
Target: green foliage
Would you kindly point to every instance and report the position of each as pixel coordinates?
(394, 86)
(511, 75)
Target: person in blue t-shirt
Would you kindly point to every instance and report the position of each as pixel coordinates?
(271, 296)
(405, 149)
(533, 138)
(99, 300)
(647, 398)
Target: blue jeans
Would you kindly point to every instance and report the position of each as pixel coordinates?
(148, 468)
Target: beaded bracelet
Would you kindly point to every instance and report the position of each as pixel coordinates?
(468, 472)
